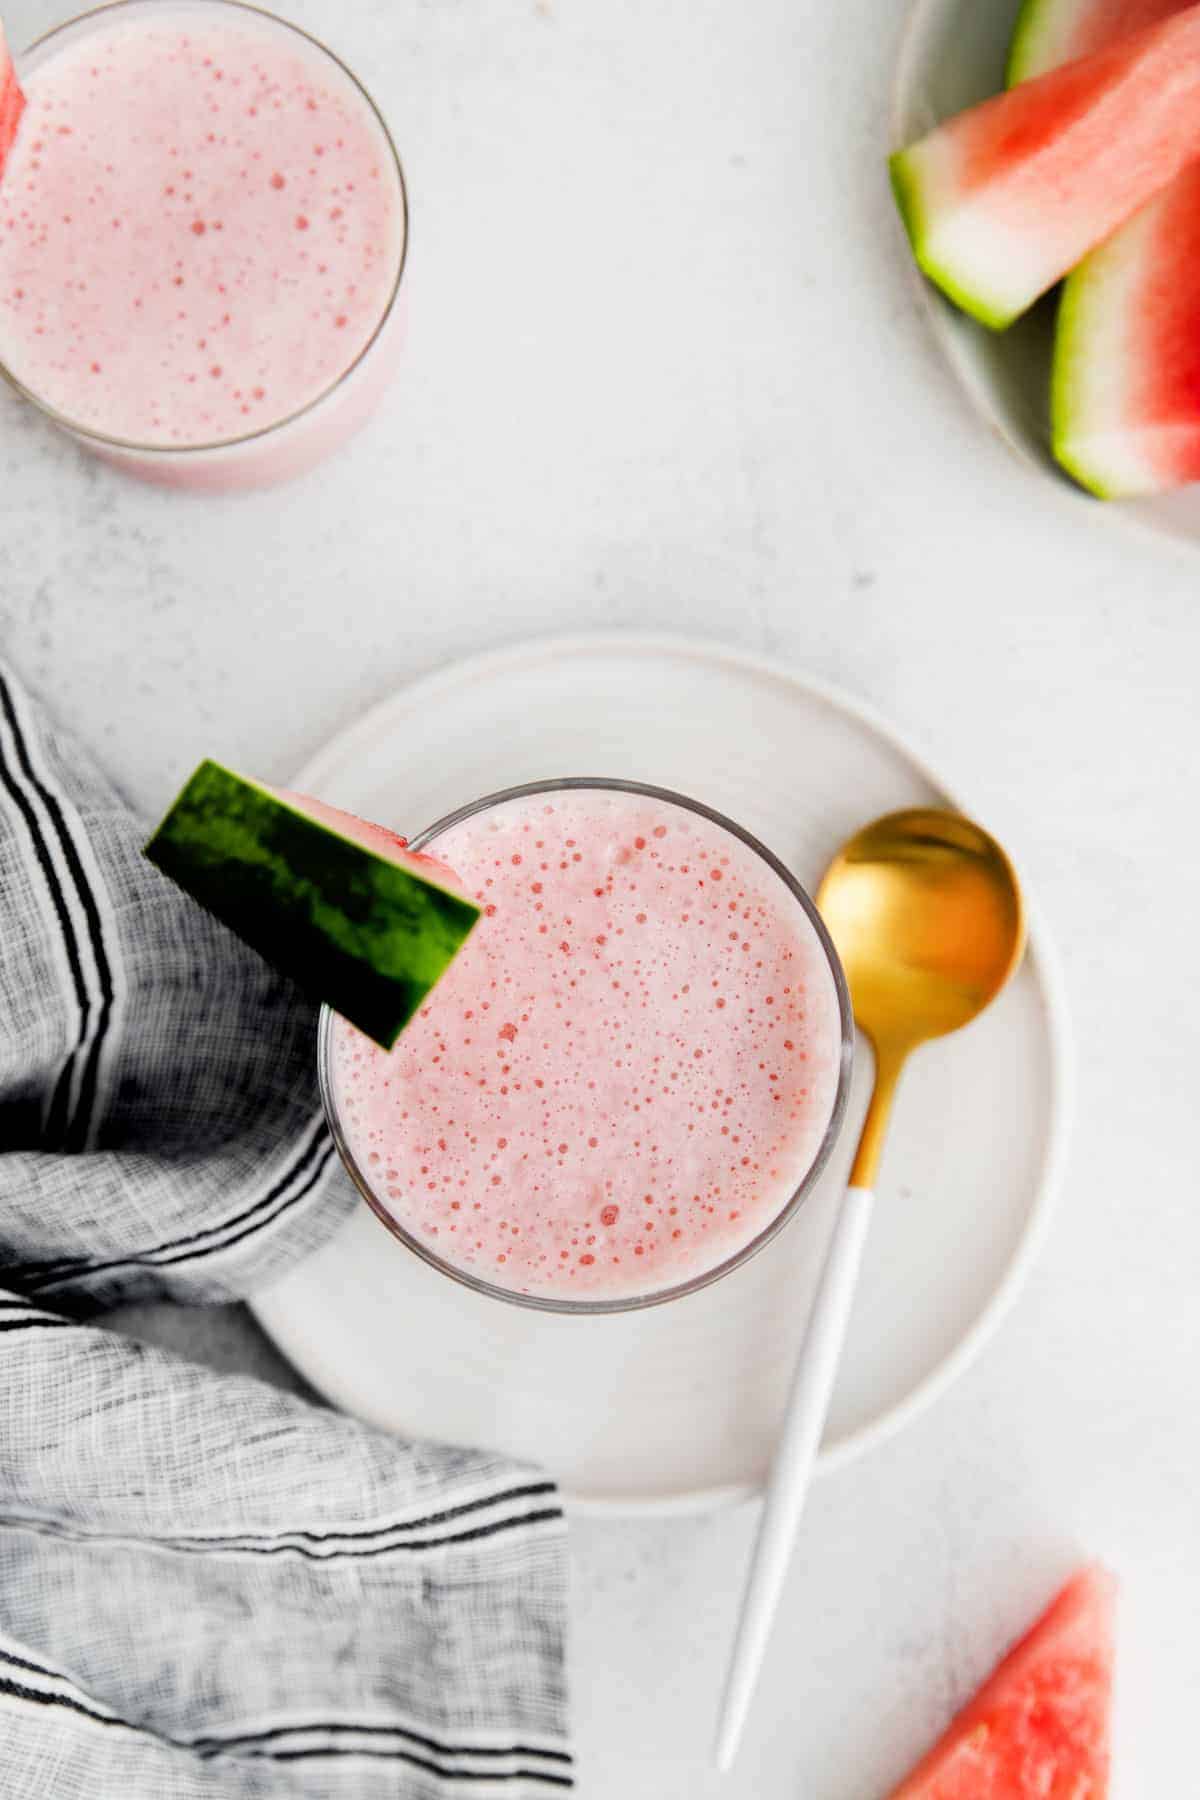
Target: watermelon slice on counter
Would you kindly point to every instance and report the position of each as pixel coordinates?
(1049, 33)
(1038, 1729)
(12, 101)
(342, 906)
(1001, 201)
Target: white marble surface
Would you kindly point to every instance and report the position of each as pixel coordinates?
(667, 369)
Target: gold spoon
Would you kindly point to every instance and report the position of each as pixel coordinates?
(927, 916)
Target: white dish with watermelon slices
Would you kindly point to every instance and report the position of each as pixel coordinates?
(677, 1408)
(955, 53)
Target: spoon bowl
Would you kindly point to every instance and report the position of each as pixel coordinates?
(926, 912)
(927, 916)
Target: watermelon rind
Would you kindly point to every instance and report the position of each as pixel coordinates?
(910, 186)
(1089, 434)
(1001, 200)
(1095, 354)
(1049, 33)
(1037, 37)
(1073, 449)
(368, 935)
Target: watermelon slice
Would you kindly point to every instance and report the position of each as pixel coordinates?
(12, 101)
(1049, 33)
(1125, 388)
(343, 907)
(1001, 201)
(1039, 1728)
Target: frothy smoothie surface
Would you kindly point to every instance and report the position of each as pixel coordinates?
(627, 1070)
(201, 225)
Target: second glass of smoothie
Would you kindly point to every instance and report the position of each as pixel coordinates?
(203, 226)
(632, 1073)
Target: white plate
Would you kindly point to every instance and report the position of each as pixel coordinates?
(953, 55)
(678, 1406)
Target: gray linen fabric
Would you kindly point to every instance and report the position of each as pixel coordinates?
(207, 1587)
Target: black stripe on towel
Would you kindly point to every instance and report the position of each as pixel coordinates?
(19, 1690)
(54, 1274)
(338, 1727)
(57, 1118)
(189, 1547)
(419, 1762)
(532, 1490)
(79, 1126)
(38, 1325)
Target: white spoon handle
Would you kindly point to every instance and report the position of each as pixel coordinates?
(787, 1486)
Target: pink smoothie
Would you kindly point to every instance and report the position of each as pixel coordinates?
(201, 225)
(628, 1069)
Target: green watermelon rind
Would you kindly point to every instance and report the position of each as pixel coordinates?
(1026, 61)
(1070, 348)
(368, 936)
(1026, 41)
(908, 190)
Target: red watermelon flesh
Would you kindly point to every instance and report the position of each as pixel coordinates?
(1052, 32)
(1002, 200)
(1038, 1729)
(12, 101)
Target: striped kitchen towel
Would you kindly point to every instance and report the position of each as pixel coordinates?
(208, 1587)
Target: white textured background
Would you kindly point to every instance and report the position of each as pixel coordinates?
(666, 369)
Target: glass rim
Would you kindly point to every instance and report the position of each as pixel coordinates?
(136, 446)
(788, 1211)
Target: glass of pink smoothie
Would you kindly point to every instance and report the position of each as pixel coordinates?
(203, 228)
(632, 1073)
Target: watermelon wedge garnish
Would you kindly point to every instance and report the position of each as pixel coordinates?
(1049, 33)
(342, 906)
(1038, 1729)
(1001, 201)
(12, 101)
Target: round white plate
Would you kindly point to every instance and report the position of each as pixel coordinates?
(952, 56)
(678, 1406)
